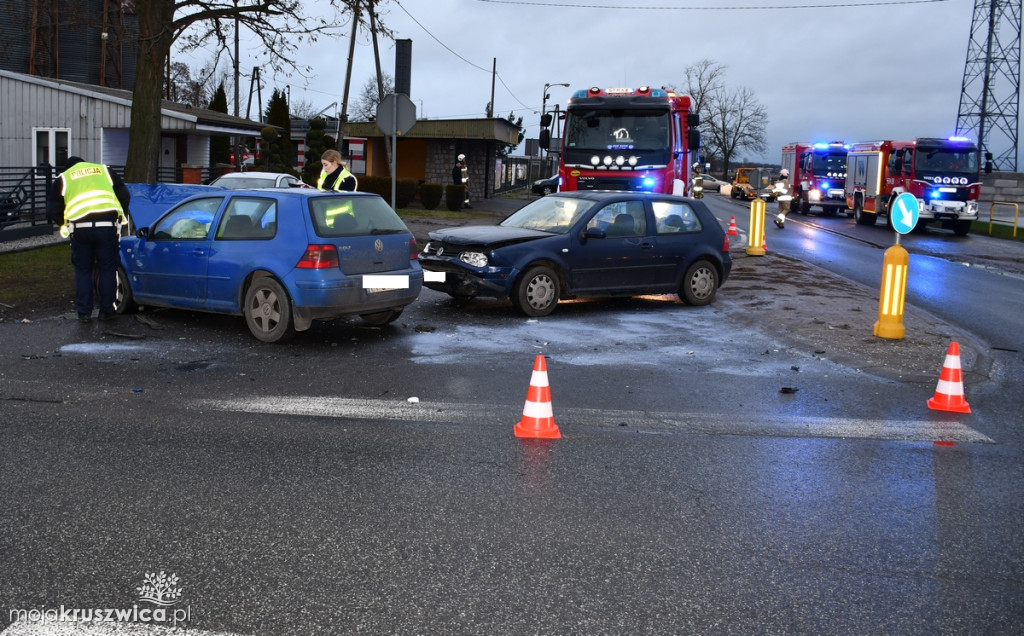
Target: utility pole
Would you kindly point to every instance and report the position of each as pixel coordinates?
(358, 5)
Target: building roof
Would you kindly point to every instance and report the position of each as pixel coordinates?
(495, 129)
(204, 119)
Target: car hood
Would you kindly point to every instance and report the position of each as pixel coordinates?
(486, 235)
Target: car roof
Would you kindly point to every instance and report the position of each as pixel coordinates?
(252, 173)
(601, 196)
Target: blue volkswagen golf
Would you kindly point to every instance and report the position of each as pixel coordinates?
(281, 258)
(592, 243)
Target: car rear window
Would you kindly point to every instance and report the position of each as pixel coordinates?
(346, 215)
(672, 217)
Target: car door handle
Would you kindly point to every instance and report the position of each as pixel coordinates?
(647, 246)
(198, 252)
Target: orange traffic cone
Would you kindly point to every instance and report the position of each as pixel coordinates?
(949, 394)
(732, 227)
(538, 419)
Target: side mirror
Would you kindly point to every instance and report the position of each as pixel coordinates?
(693, 139)
(142, 233)
(693, 119)
(594, 232)
(545, 120)
(545, 138)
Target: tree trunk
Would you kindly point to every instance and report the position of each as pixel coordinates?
(155, 39)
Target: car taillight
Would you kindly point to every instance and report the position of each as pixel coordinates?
(414, 253)
(725, 244)
(318, 257)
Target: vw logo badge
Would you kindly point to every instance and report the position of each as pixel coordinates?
(378, 245)
(440, 251)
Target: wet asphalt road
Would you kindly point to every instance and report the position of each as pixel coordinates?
(296, 489)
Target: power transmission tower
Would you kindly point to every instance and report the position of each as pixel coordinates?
(990, 95)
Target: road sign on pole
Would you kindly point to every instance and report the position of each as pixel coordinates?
(396, 114)
(904, 213)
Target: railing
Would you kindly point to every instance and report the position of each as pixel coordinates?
(23, 193)
(1016, 216)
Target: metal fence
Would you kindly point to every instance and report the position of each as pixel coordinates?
(514, 173)
(23, 191)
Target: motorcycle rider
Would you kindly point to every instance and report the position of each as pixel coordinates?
(785, 197)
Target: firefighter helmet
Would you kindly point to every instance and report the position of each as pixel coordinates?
(462, 157)
(784, 172)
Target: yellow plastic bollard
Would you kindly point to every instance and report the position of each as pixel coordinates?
(755, 243)
(893, 293)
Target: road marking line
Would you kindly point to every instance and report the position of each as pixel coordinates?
(498, 414)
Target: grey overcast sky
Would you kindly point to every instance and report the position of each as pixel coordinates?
(853, 70)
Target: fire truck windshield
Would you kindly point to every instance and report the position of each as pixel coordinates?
(643, 132)
(947, 161)
(830, 164)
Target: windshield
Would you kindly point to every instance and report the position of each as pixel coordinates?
(641, 132)
(830, 165)
(552, 214)
(962, 161)
(244, 183)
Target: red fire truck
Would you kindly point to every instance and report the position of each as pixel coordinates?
(942, 173)
(818, 174)
(624, 139)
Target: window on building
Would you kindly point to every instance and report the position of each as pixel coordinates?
(52, 146)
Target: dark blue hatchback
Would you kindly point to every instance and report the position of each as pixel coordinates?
(280, 257)
(576, 244)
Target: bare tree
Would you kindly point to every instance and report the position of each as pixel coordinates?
(731, 120)
(737, 122)
(281, 25)
(365, 108)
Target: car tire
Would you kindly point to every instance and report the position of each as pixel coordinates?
(961, 228)
(536, 292)
(381, 318)
(124, 300)
(546, 190)
(700, 283)
(268, 310)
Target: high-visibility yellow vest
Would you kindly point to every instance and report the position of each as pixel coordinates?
(88, 189)
(345, 174)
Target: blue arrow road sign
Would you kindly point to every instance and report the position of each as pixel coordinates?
(904, 213)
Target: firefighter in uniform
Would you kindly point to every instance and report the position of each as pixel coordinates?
(698, 183)
(460, 176)
(785, 197)
(335, 175)
(90, 201)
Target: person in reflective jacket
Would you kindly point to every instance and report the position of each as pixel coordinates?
(785, 197)
(335, 175)
(89, 201)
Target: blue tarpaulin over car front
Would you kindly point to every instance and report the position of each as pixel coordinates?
(149, 202)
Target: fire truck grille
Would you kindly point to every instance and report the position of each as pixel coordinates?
(634, 184)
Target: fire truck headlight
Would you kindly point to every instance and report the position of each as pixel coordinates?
(633, 161)
(595, 160)
(814, 195)
(608, 160)
(620, 160)
(972, 208)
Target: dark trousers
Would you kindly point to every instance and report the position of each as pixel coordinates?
(95, 249)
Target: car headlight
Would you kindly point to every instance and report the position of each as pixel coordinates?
(476, 259)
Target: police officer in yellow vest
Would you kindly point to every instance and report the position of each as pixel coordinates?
(335, 175)
(90, 201)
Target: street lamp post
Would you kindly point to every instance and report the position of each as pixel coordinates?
(543, 111)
